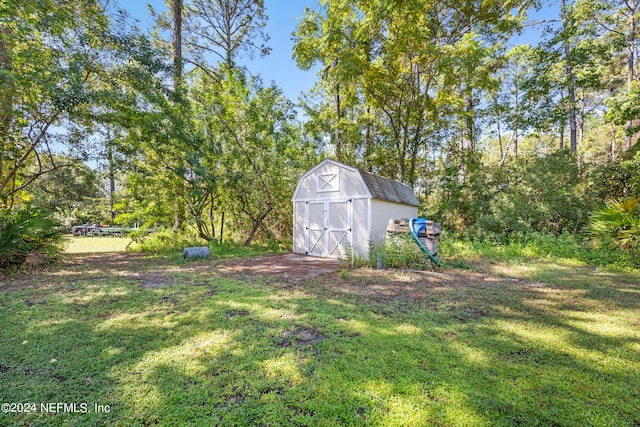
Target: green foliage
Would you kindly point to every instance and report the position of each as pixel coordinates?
(240, 153)
(71, 191)
(563, 249)
(146, 198)
(232, 249)
(612, 180)
(261, 153)
(28, 235)
(173, 242)
(392, 87)
(529, 194)
(163, 241)
(617, 225)
(400, 252)
(354, 260)
(55, 56)
(404, 91)
(625, 106)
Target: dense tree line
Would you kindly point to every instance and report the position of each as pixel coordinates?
(413, 77)
(499, 138)
(446, 97)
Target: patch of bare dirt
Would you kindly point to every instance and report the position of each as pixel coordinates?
(289, 266)
(468, 292)
(151, 281)
(156, 272)
(302, 337)
(463, 295)
(232, 314)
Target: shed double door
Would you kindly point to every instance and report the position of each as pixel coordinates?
(328, 228)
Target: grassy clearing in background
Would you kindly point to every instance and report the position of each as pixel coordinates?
(171, 243)
(98, 244)
(170, 343)
(95, 245)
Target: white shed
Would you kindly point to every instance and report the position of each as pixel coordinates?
(336, 206)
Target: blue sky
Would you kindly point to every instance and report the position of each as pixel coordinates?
(278, 66)
(283, 17)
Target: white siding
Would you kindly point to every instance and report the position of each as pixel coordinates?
(340, 192)
(382, 212)
(298, 227)
(360, 234)
(318, 184)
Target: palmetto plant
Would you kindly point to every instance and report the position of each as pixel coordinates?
(27, 232)
(617, 225)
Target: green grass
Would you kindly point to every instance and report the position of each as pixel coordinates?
(88, 245)
(170, 343)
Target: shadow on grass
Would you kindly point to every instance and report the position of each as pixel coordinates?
(387, 349)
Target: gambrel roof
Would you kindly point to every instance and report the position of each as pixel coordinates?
(376, 187)
(387, 189)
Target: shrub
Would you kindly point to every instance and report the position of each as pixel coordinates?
(399, 252)
(163, 241)
(28, 235)
(167, 240)
(523, 196)
(563, 248)
(617, 225)
(230, 249)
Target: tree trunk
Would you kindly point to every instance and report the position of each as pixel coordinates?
(7, 90)
(221, 227)
(632, 5)
(469, 122)
(211, 223)
(179, 204)
(368, 141)
(177, 43)
(257, 222)
(568, 69)
(499, 138)
(516, 124)
(612, 145)
(112, 182)
(580, 124)
(338, 137)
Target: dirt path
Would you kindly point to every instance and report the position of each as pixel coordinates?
(291, 266)
(283, 270)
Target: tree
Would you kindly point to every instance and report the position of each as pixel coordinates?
(406, 68)
(332, 42)
(51, 57)
(617, 29)
(72, 191)
(261, 149)
(226, 28)
(514, 111)
(176, 9)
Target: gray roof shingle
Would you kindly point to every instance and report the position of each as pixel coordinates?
(387, 189)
